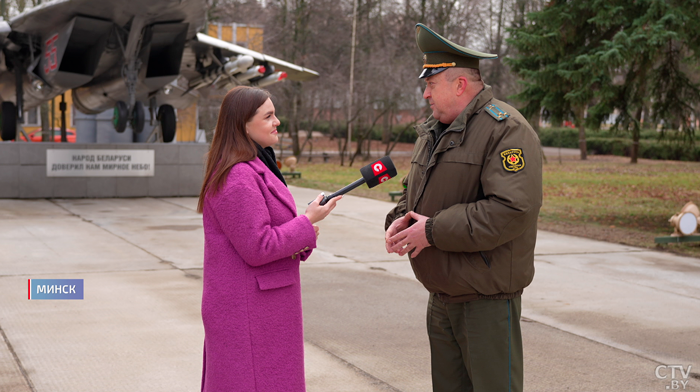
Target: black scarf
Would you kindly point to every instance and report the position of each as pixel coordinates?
(267, 155)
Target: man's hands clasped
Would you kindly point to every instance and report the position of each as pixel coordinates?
(401, 239)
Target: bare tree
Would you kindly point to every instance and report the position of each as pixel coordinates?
(317, 35)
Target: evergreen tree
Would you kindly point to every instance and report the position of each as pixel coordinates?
(628, 55)
(549, 46)
(657, 42)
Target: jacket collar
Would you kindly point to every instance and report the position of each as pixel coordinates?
(274, 184)
(459, 124)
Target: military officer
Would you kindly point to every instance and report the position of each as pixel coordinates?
(468, 220)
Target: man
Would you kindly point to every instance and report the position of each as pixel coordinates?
(468, 217)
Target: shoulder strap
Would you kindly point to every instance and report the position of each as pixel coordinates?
(496, 112)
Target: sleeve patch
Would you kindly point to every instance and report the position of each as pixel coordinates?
(513, 160)
(496, 112)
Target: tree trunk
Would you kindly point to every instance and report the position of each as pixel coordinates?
(351, 84)
(294, 123)
(386, 129)
(635, 149)
(535, 123)
(581, 134)
(634, 153)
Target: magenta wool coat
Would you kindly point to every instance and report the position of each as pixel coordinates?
(251, 302)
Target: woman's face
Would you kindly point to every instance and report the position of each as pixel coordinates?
(262, 128)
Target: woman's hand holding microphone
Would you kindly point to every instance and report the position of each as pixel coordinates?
(317, 212)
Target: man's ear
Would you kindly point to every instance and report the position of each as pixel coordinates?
(461, 85)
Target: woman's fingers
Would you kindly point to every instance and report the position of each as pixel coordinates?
(332, 202)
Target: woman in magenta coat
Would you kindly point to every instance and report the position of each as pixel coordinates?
(253, 243)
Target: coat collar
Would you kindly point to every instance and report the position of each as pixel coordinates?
(274, 184)
(459, 124)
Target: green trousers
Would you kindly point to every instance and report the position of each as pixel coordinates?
(475, 346)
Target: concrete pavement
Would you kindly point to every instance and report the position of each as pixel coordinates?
(598, 317)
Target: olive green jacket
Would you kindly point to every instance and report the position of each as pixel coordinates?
(482, 188)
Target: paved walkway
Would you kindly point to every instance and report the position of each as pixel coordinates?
(598, 317)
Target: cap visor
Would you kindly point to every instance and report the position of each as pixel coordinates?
(427, 72)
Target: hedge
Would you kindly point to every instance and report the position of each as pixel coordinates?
(605, 143)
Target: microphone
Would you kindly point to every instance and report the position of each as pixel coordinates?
(372, 174)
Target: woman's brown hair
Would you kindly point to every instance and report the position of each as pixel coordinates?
(231, 143)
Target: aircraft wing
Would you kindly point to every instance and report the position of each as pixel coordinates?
(120, 54)
(294, 72)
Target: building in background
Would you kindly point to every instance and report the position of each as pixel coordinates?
(32, 117)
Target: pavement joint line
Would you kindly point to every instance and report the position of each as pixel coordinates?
(174, 204)
(379, 381)
(612, 346)
(348, 217)
(593, 253)
(662, 290)
(384, 261)
(624, 280)
(92, 272)
(17, 360)
(40, 240)
(171, 263)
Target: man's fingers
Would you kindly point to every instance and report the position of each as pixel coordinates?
(398, 237)
(401, 247)
(416, 251)
(405, 250)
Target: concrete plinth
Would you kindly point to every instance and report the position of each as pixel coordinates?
(179, 171)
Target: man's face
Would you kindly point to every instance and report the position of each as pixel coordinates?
(439, 93)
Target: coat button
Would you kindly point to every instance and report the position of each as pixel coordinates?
(452, 142)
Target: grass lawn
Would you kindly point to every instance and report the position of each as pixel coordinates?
(604, 198)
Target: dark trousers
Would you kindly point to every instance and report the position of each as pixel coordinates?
(475, 346)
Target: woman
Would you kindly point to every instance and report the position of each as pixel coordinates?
(253, 243)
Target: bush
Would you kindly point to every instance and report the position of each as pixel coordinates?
(559, 137)
(608, 146)
(670, 147)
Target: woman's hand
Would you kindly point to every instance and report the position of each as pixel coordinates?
(316, 212)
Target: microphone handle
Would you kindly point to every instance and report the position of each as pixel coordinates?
(343, 191)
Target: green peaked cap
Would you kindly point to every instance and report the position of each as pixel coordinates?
(439, 53)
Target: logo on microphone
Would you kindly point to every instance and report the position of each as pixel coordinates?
(378, 167)
(384, 178)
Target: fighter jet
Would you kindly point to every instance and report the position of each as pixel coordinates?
(123, 54)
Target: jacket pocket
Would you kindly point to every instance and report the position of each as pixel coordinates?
(276, 279)
(458, 156)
